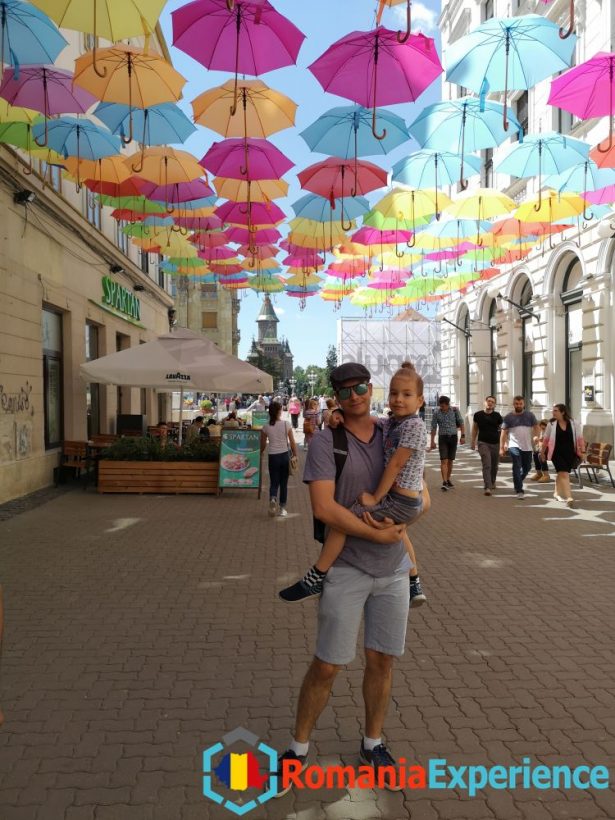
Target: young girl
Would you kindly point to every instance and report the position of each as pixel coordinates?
(400, 492)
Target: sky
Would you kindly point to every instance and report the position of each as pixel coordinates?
(309, 332)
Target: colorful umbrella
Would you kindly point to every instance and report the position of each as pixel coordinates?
(479, 204)
(263, 110)
(156, 125)
(507, 53)
(373, 68)
(236, 213)
(45, 89)
(581, 179)
(410, 205)
(587, 90)
(80, 138)
(554, 207)
(381, 6)
(263, 190)
(463, 125)
(27, 35)
(176, 192)
(130, 76)
(318, 208)
(430, 169)
(165, 166)
(251, 38)
(246, 159)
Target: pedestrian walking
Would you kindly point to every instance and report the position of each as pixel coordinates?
(311, 418)
(294, 408)
(326, 414)
(366, 583)
(542, 466)
(447, 421)
(279, 435)
(486, 438)
(520, 430)
(564, 445)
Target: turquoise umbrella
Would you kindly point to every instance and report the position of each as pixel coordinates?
(318, 208)
(462, 126)
(156, 125)
(507, 53)
(430, 169)
(27, 35)
(346, 132)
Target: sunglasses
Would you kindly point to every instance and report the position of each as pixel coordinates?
(344, 393)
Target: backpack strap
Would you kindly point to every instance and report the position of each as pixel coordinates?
(340, 449)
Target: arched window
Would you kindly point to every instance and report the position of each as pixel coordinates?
(572, 296)
(466, 353)
(493, 349)
(527, 368)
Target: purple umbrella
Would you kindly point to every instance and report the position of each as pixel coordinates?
(177, 192)
(243, 236)
(244, 36)
(262, 213)
(45, 89)
(373, 68)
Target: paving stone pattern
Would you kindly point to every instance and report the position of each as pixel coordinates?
(139, 630)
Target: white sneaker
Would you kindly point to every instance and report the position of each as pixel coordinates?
(283, 513)
(520, 496)
(273, 507)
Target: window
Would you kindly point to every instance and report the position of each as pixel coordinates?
(488, 9)
(92, 209)
(121, 239)
(209, 292)
(572, 296)
(53, 393)
(521, 106)
(487, 168)
(493, 348)
(92, 391)
(209, 320)
(466, 353)
(160, 271)
(527, 368)
(564, 120)
(144, 261)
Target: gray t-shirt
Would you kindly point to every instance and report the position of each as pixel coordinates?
(362, 470)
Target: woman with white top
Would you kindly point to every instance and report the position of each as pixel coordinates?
(279, 435)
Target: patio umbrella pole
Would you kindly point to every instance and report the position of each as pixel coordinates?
(586, 215)
(505, 112)
(181, 412)
(565, 34)
(349, 225)
(411, 243)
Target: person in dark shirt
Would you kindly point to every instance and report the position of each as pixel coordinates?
(486, 437)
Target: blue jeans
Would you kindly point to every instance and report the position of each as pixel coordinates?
(278, 476)
(521, 464)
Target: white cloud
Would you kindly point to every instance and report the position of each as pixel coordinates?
(279, 310)
(423, 18)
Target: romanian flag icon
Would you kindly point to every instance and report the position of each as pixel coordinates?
(240, 772)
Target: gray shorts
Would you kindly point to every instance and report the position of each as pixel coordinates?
(349, 594)
(402, 509)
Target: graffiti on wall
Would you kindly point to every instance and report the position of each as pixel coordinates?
(15, 430)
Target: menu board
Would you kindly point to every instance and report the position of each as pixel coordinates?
(259, 419)
(240, 460)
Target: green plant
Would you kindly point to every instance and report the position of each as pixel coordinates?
(132, 448)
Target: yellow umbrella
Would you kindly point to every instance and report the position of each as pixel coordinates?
(258, 265)
(262, 110)
(412, 204)
(313, 227)
(130, 76)
(481, 203)
(164, 165)
(263, 190)
(14, 113)
(303, 280)
(366, 297)
(553, 208)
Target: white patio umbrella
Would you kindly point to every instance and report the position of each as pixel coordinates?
(181, 360)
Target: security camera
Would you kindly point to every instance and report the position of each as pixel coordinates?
(606, 228)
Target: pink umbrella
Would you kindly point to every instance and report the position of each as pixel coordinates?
(243, 36)
(259, 251)
(587, 90)
(309, 259)
(389, 280)
(374, 68)
(199, 223)
(349, 268)
(220, 270)
(246, 159)
(243, 236)
(206, 240)
(328, 179)
(450, 253)
(372, 236)
(45, 89)
(261, 213)
(177, 192)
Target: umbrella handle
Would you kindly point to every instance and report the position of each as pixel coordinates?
(565, 34)
(230, 4)
(402, 38)
(139, 167)
(45, 135)
(538, 205)
(610, 142)
(381, 136)
(397, 253)
(353, 190)
(99, 72)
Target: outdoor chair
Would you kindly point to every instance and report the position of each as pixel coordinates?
(597, 458)
(73, 460)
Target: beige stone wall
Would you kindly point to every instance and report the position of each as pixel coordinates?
(191, 303)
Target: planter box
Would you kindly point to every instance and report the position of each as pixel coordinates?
(160, 477)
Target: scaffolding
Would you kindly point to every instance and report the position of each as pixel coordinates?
(383, 344)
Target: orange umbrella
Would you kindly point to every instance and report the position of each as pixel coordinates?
(164, 165)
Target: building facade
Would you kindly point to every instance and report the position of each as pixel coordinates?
(267, 349)
(543, 327)
(209, 309)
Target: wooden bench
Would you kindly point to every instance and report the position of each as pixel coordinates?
(597, 458)
(160, 477)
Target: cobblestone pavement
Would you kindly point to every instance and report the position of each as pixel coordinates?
(139, 630)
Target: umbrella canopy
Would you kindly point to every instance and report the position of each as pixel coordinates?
(346, 132)
(236, 213)
(587, 90)
(328, 178)
(262, 190)
(156, 125)
(263, 111)
(507, 53)
(111, 19)
(463, 126)
(80, 138)
(246, 159)
(182, 360)
(319, 208)
(27, 35)
(164, 166)
(430, 169)
(554, 207)
(244, 36)
(374, 68)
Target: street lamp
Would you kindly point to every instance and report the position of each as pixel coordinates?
(292, 383)
(312, 379)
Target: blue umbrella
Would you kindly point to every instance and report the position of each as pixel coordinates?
(77, 137)
(585, 176)
(318, 208)
(191, 205)
(457, 228)
(346, 132)
(157, 125)
(549, 153)
(462, 126)
(27, 35)
(430, 169)
(507, 53)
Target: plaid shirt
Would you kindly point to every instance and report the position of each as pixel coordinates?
(447, 421)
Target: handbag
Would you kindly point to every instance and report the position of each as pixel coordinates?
(293, 465)
(576, 461)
